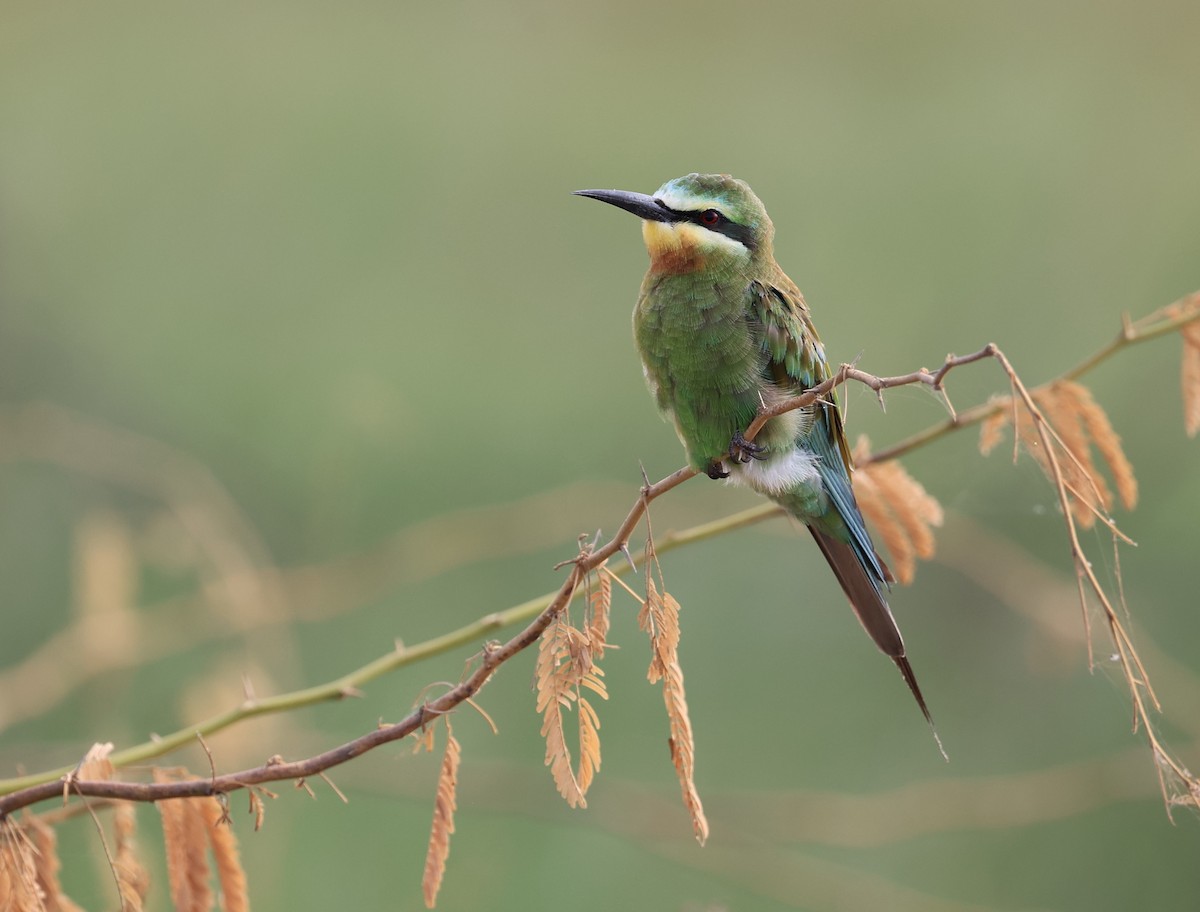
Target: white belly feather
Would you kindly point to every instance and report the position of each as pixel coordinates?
(779, 474)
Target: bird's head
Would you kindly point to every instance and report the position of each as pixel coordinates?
(698, 221)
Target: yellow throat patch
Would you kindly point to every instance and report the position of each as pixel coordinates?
(674, 247)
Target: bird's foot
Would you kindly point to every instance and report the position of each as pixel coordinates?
(742, 450)
(716, 470)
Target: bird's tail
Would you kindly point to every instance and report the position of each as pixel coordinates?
(873, 612)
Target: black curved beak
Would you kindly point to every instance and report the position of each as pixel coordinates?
(641, 205)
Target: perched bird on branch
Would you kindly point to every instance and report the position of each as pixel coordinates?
(722, 333)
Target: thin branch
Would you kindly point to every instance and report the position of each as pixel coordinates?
(21, 792)
(878, 384)
(274, 771)
(1171, 773)
(1160, 323)
(349, 684)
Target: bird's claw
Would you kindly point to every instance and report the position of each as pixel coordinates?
(716, 470)
(742, 450)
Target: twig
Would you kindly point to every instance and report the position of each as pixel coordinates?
(274, 771)
(1157, 324)
(878, 384)
(18, 793)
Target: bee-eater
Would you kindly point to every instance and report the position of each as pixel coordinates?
(723, 332)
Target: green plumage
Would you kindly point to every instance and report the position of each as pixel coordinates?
(722, 332)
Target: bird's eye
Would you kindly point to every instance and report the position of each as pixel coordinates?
(710, 217)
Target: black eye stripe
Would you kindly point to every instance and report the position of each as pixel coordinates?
(740, 233)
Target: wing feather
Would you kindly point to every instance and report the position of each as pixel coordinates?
(796, 361)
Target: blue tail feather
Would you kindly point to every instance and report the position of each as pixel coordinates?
(836, 480)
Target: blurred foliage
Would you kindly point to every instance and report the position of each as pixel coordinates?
(323, 263)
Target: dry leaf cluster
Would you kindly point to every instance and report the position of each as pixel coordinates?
(566, 672)
(1079, 426)
(133, 880)
(29, 860)
(1189, 374)
(659, 617)
(444, 805)
(900, 510)
(192, 827)
(1060, 424)
(1063, 452)
(23, 887)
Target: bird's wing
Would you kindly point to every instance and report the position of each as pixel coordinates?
(796, 362)
(795, 356)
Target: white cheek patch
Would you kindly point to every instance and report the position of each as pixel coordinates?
(779, 474)
(695, 237)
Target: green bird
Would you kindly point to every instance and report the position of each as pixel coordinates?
(722, 332)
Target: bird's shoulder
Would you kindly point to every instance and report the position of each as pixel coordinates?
(795, 354)
(789, 337)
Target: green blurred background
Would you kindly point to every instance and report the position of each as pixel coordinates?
(305, 347)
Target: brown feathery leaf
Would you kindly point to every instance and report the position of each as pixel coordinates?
(1084, 502)
(1059, 407)
(133, 880)
(584, 670)
(230, 875)
(196, 871)
(682, 743)
(918, 510)
(1076, 423)
(900, 508)
(579, 654)
(47, 865)
(991, 430)
(659, 617)
(646, 622)
(589, 744)
(668, 630)
(1189, 378)
(95, 765)
(599, 604)
(896, 542)
(586, 673)
(192, 827)
(658, 620)
(1080, 424)
(1105, 439)
(6, 892)
(186, 844)
(443, 820)
(556, 688)
(19, 888)
(565, 666)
